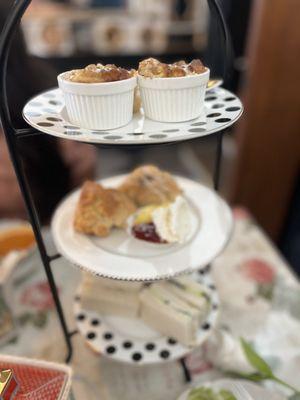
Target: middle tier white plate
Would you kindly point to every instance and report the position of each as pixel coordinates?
(121, 256)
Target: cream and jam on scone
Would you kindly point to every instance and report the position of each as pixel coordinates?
(98, 73)
(164, 215)
(152, 68)
(166, 223)
(172, 92)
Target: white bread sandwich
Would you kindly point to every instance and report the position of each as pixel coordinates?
(165, 312)
(100, 296)
(192, 292)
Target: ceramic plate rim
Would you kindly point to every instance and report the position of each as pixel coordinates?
(135, 140)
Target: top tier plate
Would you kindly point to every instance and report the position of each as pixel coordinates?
(46, 112)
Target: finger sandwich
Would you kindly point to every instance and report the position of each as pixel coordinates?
(169, 314)
(110, 297)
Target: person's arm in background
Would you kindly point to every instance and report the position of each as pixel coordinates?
(53, 167)
(11, 203)
(78, 158)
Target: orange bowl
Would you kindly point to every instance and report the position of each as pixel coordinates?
(19, 237)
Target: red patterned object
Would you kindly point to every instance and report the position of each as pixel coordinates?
(258, 271)
(38, 296)
(8, 385)
(38, 380)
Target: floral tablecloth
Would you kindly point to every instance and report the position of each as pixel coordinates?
(259, 296)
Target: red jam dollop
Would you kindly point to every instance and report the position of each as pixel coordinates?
(147, 232)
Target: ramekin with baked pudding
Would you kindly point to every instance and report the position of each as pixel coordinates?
(172, 92)
(99, 96)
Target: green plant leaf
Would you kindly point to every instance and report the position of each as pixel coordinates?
(255, 377)
(256, 361)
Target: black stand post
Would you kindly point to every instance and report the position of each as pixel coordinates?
(12, 135)
(218, 160)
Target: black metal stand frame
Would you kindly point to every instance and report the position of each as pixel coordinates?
(13, 136)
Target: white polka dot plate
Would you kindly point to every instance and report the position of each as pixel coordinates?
(47, 113)
(122, 256)
(130, 340)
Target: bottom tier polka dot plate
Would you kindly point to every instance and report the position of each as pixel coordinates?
(47, 113)
(131, 341)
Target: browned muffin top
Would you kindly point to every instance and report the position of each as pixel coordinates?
(98, 73)
(152, 68)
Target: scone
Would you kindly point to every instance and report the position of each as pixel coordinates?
(149, 185)
(100, 209)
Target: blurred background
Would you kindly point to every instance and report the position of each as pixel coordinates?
(260, 168)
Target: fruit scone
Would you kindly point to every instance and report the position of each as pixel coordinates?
(149, 185)
(99, 209)
(164, 214)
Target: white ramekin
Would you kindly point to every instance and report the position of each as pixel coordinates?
(173, 99)
(98, 106)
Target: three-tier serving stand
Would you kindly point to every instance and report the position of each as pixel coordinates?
(222, 109)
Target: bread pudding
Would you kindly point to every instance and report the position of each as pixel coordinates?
(98, 73)
(152, 68)
(98, 97)
(172, 92)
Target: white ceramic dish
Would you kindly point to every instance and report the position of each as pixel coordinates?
(173, 99)
(47, 113)
(107, 105)
(11, 260)
(130, 340)
(257, 392)
(121, 256)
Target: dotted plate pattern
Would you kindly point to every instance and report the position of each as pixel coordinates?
(104, 339)
(46, 112)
